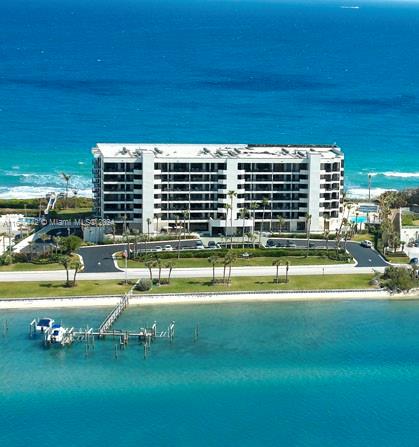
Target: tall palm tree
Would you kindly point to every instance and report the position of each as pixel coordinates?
(169, 265)
(150, 263)
(231, 195)
(264, 203)
(281, 222)
(277, 263)
(77, 266)
(213, 261)
(232, 258)
(179, 232)
(327, 235)
(185, 215)
(243, 215)
(287, 267)
(66, 178)
(148, 229)
(253, 207)
(308, 229)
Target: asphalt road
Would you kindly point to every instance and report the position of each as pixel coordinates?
(98, 259)
(206, 272)
(364, 257)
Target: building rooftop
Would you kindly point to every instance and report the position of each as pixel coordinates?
(175, 150)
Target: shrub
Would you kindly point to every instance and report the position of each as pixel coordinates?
(399, 278)
(143, 285)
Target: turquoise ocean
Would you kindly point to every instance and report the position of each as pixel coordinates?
(76, 72)
(286, 374)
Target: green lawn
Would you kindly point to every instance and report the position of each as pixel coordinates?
(398, 259)
(182, 285)
(29, 266)
(257, 261)
(56, 289)
(359, 237)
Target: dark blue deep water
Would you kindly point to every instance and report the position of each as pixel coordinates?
(76, 72)
(335, 374)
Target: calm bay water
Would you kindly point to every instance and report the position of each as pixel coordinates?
(300, 374)
(76, 72)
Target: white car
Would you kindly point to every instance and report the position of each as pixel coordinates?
(158, 248)
(168, 248)
(366, 244)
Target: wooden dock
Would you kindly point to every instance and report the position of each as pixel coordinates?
(144, 335)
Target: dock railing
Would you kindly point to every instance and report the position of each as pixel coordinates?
(114, 314)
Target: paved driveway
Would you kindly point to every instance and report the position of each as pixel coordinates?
(365, 257)
(98, 259)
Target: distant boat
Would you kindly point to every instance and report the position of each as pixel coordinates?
(350, 7)
(56, 334)
(44, 324)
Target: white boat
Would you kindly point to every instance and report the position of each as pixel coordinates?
(43, 324)
(56, 334)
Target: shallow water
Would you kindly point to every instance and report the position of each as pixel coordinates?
(301, 374)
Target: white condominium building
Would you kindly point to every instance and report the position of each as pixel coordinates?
(219, 188)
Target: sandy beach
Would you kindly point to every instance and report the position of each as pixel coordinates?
(205, 298)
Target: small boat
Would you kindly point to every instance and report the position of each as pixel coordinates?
(43, 324)
(56, 334)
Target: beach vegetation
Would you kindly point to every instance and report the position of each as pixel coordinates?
(400, 278)
(143, 285)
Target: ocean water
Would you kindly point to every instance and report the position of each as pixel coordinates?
(292, 374)
(73, 73)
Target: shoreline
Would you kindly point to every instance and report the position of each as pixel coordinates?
(206, 298)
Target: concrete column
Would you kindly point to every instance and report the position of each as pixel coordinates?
(314, 191)
(148, 190)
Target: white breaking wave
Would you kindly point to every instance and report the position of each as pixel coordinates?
(393, 174)
(363, 193)
(30, 192)
(401, 174)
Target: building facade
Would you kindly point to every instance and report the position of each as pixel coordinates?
(219, 189)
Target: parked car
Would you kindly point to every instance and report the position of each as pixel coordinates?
(158, 248)
(270, 243)
(213, 245)
(366, 244)
(291, 244)
(168, 248)
(279, 244)
(414, 261)
(199, 245)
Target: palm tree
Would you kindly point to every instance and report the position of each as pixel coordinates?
(65, 261)
(150, 263)
(148, 229)
(232, 258)
(287, 267)
(327, 235)
(277, 263)
(231, 195)
(243, 214)
(253, 207)
(185, 217)
(169, 265)
(252, 238)
(179, 230)
(226, 261)
(66, 178)
(281, 222)
(308, 225)
(158, 264)
(77, 266)
(213, 261)
(264, 203)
